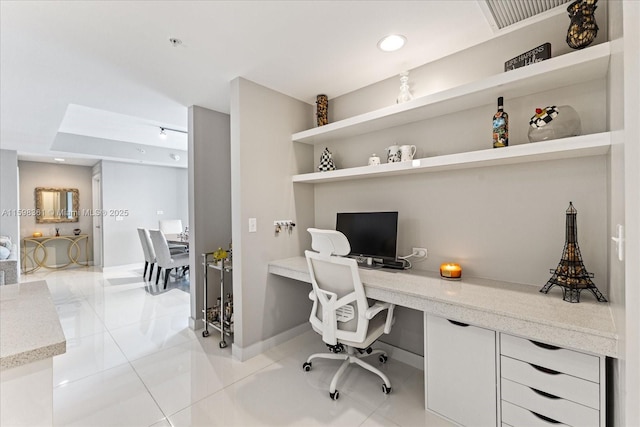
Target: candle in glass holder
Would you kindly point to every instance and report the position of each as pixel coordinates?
(450, 270)
(37, 234)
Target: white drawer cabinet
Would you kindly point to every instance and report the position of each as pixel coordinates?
(547, 385)
(461, 372)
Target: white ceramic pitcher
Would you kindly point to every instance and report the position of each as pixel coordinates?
(407, 152)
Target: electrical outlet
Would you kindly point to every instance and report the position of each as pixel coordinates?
(420, 252)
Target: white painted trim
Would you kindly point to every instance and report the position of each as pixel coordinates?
(245, 353)
(404, 356)
(196, 324)
(135, 266)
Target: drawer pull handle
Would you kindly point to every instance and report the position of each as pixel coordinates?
(545, 346)
(545, 370)
(547, 419)
(464, 325)
(545, 394)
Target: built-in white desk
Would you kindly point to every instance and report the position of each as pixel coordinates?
(505, 307)
(520, 343)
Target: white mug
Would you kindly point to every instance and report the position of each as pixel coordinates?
(393, 154)
(407, 152)
(374, 160)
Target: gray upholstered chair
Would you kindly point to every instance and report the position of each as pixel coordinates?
(341, 312)
(164, 258)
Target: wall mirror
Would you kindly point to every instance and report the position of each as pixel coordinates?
(54, 205)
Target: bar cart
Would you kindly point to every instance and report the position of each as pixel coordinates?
(219, 316)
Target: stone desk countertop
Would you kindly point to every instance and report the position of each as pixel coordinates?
(30, 328)
(506, 307)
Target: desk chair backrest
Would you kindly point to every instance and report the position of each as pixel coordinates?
(339, 301)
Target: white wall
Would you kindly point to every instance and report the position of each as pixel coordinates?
(263, 159)
(9, 220)
(209, 199)
(36, 174)
(142, 191)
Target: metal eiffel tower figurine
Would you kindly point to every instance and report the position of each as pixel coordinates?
(571, 274)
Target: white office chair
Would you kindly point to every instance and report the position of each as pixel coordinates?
(164, 258)
(341, 312)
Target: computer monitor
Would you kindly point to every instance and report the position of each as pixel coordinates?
(370, 234)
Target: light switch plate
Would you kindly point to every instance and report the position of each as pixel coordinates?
(253, 225)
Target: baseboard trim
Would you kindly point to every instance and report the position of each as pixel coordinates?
(245, 353)
(404, 356)
(196, 324)
(136, 266)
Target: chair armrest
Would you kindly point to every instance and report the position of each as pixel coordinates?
(377, 308)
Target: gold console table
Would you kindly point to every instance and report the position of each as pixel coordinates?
(35, 253)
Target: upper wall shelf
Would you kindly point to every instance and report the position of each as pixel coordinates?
(572, 68)
(578, 146)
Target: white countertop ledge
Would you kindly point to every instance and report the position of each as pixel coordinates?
(505, 307)
(30, 328)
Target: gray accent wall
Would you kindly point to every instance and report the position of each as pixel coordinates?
(263, 160)
(9, 220)
(209, 200)
(141, 191)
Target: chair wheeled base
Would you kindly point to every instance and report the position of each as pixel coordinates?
(351, 356)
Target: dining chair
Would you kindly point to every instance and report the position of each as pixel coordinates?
(147, 249)
(171, 227)
(164, 258)
(341, 313)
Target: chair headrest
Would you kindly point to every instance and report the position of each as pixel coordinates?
(329, 242)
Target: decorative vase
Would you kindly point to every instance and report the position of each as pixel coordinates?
(582, 28)
(322, 106)
(77, 231)
(554, 123)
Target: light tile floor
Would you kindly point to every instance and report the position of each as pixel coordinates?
(132, 360)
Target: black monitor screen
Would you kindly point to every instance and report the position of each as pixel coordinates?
(370, 234)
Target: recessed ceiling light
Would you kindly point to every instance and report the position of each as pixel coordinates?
(392, 42)
(142, 150)
(175, 42)
(58, 159)
(163, 133)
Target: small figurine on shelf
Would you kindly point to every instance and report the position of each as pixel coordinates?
(57, 232)
(405, 93)
(326, 161)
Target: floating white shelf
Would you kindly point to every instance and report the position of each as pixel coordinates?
(578, 146)
(572, 68)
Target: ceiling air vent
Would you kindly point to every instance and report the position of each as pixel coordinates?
(502, 13)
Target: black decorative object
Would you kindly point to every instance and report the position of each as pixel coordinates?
(537, 54)
(571, 274)
(582, 28)
(326, 161)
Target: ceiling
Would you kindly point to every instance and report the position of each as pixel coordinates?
(87, 80)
